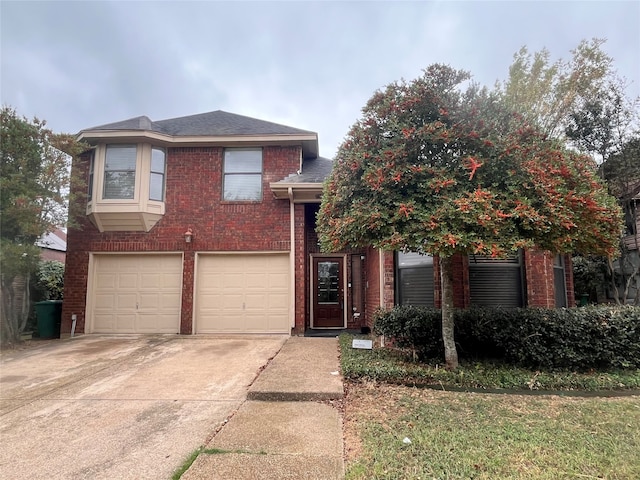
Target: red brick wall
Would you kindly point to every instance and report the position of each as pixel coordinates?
(301, 273)
(52, 255)
(372, 285)
(193, 200)
(389, 280)
(539, 279)
(568, 278)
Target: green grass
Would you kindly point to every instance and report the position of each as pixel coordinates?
(186, 464)
(392, 366)
(470, 434)
(177, 474)
(458, 435)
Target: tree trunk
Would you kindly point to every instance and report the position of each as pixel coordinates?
(446, 276)
(8, 331)
(614, 285)
(22, 299)
(15, 303)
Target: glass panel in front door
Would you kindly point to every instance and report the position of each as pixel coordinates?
(328, 282)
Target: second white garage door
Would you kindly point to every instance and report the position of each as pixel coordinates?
(242, 293)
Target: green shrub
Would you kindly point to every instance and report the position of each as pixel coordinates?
(577, 338)
(50, 280)
(415, 328)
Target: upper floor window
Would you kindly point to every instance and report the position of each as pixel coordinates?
(120, 172)
(156, 179)
(242, 174)
(92, 162)
(128, 172)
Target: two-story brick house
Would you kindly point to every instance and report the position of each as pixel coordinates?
(205, 224)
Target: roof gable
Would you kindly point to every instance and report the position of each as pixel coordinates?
(212, 128)
(217, 123)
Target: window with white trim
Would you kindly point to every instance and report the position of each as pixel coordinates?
(157, 175)
(120, 172)
(92, 162)
(242, 174)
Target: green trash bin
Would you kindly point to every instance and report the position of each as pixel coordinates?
(48, 317)
(584, 299)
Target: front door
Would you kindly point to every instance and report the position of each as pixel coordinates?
(328, 293)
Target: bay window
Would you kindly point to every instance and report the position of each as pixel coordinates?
(126, 186)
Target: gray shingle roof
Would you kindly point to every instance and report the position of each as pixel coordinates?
(53, 241)
(217, 123)
(314, 170)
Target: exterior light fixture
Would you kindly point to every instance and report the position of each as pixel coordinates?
(188, 235)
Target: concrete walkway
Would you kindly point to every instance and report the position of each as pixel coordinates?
(283, 430)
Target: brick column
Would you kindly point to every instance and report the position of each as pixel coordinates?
(186, 318)
(539, 278)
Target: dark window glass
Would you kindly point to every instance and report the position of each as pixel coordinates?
(242, 174)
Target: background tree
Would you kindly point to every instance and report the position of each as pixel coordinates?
(437, 170)
(547, 93)
(606, 127)
(34, 181)
(583, 102)
(621, 170)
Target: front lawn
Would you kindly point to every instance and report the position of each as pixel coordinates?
(463, 435)
(456, 435)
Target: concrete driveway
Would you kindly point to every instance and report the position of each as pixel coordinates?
(107, 407)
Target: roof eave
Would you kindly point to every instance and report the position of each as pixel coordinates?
(301, 192)
(309, 141)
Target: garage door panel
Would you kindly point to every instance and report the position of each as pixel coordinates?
(233, 280)
(127, 280)
(106, 320)
(258, 301)
(153, 323)
(106, 301)
(276, 322)
(106, 280)
(257, 281)
(170, 280)
(254, 323)
(276, 280)
(279, 301)
(150, 281)
(125, 301)
(125, 323)
(211, 281)
(238, 293)
(137, 293)
(150, 301)
(171, 301)
(230, 301)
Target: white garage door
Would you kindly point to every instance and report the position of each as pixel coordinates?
(136, 294)
(242, 294)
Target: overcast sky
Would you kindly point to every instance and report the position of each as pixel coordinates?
(310, 65)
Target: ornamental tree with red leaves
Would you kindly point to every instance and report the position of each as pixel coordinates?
(437, 169)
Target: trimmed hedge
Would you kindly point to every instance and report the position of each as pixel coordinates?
(594, 337)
